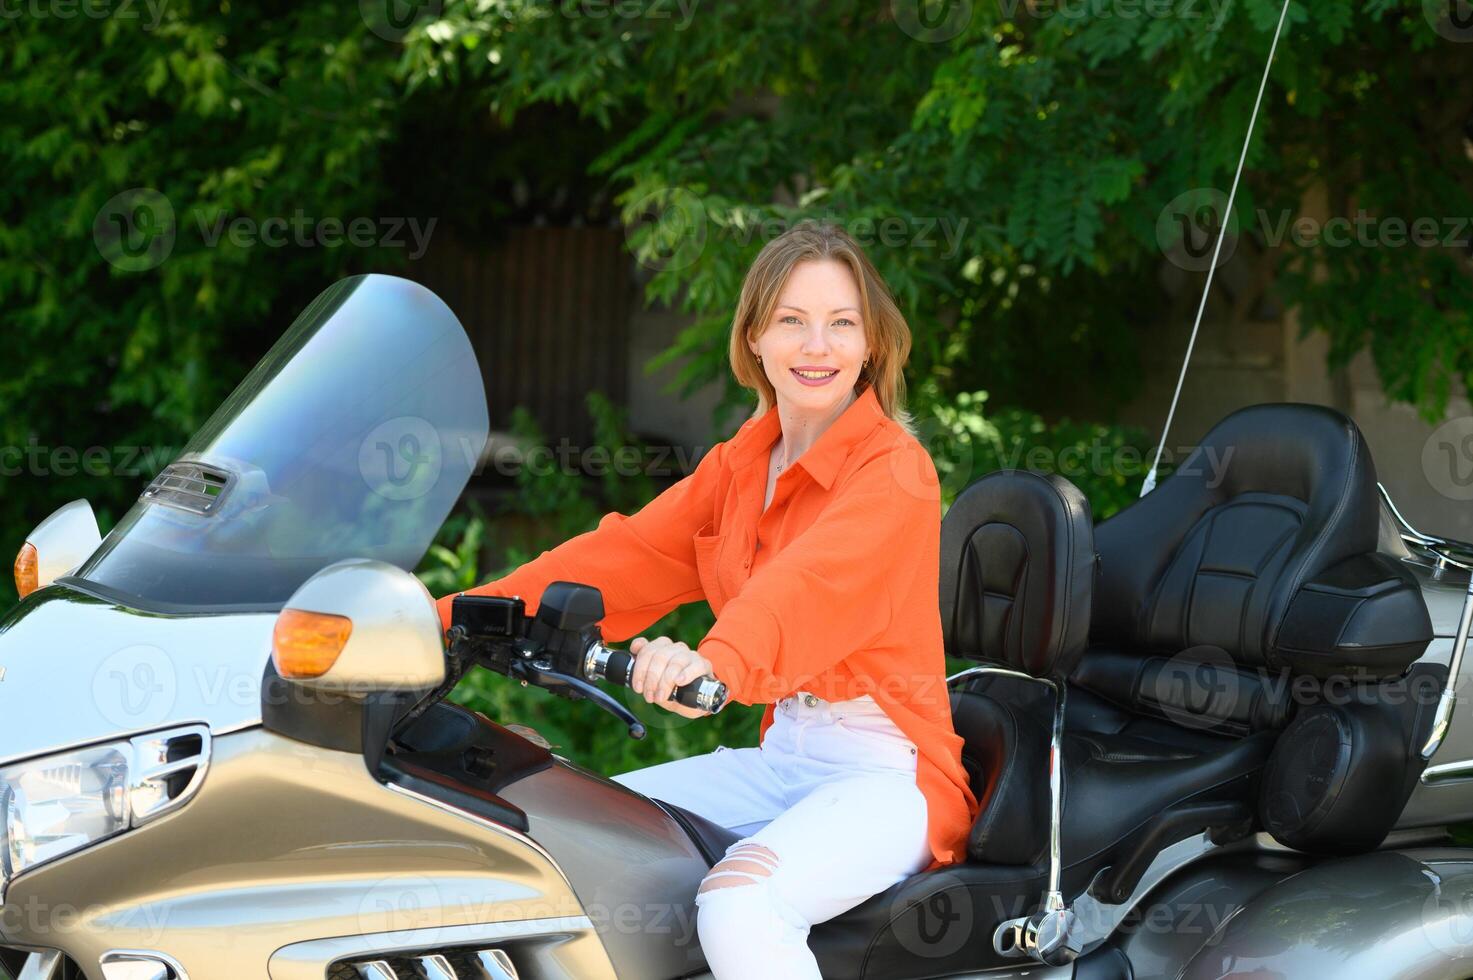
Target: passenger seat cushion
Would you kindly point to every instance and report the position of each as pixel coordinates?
(1006, 758)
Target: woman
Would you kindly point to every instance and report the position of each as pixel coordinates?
(814, 533)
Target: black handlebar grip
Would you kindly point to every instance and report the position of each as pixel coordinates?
(705, 693)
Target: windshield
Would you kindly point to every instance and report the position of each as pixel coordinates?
(352, 438)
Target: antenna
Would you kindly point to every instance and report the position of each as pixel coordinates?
(1150, 483)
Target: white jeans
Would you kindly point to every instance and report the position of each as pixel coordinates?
(831, 794)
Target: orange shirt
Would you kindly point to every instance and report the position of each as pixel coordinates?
(834, 589)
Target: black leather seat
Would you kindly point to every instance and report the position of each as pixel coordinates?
(1253, 561)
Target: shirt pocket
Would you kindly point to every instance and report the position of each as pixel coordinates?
(707, 542)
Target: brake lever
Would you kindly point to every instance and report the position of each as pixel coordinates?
(565, 685)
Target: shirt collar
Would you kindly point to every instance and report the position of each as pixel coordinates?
(823, 459)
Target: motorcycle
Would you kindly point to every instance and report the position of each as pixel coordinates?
(1212, 736)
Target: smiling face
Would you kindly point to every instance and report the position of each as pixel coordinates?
(814, 345)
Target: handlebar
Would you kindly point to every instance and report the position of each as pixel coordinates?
(617, 666)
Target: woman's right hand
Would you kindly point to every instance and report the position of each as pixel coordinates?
(660, 666)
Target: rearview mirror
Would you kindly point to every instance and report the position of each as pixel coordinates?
(360, 626)
(56, 547)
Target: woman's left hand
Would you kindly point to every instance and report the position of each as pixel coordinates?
(660, 666)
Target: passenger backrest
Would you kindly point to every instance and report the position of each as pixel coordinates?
(1017, 572)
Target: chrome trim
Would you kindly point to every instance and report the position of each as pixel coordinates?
(1448, 772)
(1409, 533)
(43, 964)
(150, 769)
(990, 669)
(1442, 719)
(437, 967)
(1055, 900)
(497, 965)
(376, 970)
(1429, 541)
(1098, 920)
(339, 948)
(117, 964)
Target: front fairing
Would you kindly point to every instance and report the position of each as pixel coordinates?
(78, 669)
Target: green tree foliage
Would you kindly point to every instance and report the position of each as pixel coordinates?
(1045, 136)
(226, 113)
(1006, 162)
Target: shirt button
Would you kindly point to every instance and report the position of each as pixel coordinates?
(746, 563)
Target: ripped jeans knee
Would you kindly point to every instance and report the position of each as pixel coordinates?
(741, 912)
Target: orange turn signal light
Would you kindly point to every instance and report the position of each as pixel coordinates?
(306, 644)
(25, 570)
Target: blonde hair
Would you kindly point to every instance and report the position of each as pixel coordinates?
(885, 330)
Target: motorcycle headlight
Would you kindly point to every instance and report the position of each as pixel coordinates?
(57, 804)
